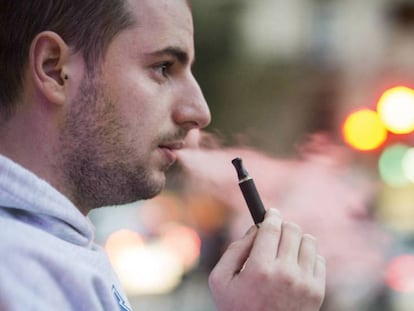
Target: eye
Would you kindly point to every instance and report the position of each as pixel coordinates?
(163, 69)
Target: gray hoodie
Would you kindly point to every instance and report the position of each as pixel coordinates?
(48, 259)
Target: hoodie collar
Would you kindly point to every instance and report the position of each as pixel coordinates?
(23, 193)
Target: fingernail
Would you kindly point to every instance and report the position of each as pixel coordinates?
(273, 211)
(273, 217)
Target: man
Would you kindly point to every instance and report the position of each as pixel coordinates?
(96, 98)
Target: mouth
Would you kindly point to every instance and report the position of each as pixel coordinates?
(170, 149)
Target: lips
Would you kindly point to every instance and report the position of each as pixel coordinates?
(169, 150)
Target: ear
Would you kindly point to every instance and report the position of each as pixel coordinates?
(48, 65)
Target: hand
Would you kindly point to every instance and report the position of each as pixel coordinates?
(272, 268)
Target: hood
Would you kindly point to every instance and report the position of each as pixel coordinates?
(25, 196)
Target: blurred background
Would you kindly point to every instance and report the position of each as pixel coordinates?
(316, 97)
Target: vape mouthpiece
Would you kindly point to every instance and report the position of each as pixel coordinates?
(242, 174)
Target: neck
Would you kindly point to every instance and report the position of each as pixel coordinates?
(29, 139)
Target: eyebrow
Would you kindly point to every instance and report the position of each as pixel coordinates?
(172, 51)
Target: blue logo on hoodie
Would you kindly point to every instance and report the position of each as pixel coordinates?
(122, 304)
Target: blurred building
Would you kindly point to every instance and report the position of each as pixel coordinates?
(311, 59)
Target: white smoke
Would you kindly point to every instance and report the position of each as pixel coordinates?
(321, 190)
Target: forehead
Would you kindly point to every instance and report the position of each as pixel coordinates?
(159, 21)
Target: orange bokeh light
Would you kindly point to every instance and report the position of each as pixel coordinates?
(184, 242)
(121, 241)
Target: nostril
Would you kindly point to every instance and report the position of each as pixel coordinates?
(190, 125)
(192, 116)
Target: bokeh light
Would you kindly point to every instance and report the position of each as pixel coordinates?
(363, 130)
(408, 164)
(184, 242)
(400, 274)
(122, 240)
(396, 109)
(143, 268)
(391, 165)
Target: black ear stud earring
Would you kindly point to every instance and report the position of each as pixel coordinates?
(66, 77)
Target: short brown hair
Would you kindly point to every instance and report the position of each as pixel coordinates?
(85, 25)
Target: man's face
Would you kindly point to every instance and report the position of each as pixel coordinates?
(126, 123)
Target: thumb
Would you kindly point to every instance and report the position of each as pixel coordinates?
(233, 259)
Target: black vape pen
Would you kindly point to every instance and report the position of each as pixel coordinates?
(250, 194)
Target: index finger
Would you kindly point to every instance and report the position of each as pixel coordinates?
(268, 237)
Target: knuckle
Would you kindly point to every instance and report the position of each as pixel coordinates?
(258, 273)
(306, 287)
(287, 276)
(265, 274)
(214, 279)
(303, 289)
(315, 295)
(261, 273)
(311, 291)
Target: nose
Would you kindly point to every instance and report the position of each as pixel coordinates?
(191, 110)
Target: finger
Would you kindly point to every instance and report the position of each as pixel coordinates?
(320, 268)
(234, 257)
(307, 254)
(289, 242)
(268, 236)
(320, 274)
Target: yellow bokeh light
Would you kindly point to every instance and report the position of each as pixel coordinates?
(396, 109)
(363, 130)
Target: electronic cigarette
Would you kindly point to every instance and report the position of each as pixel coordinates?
(249, 191)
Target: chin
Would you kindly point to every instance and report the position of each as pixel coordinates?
(154, 186)
(151, 195)
(144, 192)
(135, 188)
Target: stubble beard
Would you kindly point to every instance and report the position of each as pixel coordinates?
(99, 167)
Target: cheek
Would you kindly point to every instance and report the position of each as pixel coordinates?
(143, 104)
(146, 108)
(143, 122)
